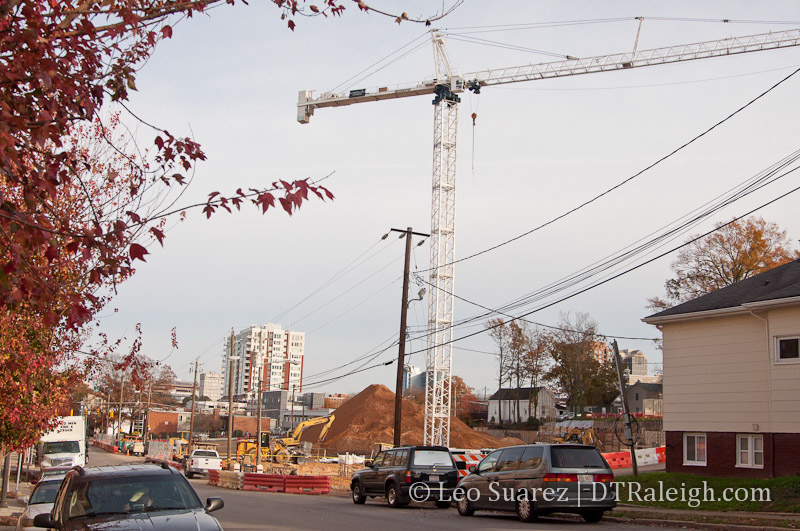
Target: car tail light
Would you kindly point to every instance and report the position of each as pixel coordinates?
(408, 476)
(604, 478)
(561, 477)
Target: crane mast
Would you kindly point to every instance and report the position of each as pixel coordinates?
(445, 87)
(438, 362)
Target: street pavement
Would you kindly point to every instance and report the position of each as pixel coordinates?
(248, 510)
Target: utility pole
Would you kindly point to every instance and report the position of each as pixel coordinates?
(625, 411)
(191, 418)
(292, 406)
(398, 394)
(258, 422)
(230, 397)
(119, 410)
(147, 414)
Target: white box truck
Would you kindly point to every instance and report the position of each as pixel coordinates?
(64, 445)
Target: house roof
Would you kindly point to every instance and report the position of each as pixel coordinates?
(778, 283)
(523, 393)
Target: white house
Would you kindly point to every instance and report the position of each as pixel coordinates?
(503, 404)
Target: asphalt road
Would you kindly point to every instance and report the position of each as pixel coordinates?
(247, 510)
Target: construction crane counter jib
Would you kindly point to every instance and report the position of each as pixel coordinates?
(572, 66)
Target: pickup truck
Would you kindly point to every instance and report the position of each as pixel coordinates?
(201, 461)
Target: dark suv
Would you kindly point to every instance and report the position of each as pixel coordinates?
(408, 473)
(539, 479)
(129, 497)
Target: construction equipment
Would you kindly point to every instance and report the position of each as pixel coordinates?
(581, 436)
(446, 86)
(283, 449)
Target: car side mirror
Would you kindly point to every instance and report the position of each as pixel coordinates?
(473, 469)
(214, 504)
(44, 520)
(24, 500)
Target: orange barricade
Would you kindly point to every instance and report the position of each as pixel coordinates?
(264, 482)
(308, 484)
(213, 477)
(661, 452)
(619, 459)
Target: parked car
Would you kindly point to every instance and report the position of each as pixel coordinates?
(51, 472)
(41, 500)
(129, 497)
(409, 473)
(201, 461)
(539, 479)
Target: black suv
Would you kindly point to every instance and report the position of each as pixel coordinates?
(406, 474)
(129, 497)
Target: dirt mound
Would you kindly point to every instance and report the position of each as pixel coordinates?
(368, 418)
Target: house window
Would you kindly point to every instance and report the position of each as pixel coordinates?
(788, 349)
(750, 451)
(694, 449)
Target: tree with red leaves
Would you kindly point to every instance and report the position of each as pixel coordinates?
(77, 206)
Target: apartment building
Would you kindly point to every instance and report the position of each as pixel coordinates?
(265, 352)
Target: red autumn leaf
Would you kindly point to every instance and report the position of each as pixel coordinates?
(137, 251)
(159, 234)
(286, 204)
(166, 31)
(52, 253)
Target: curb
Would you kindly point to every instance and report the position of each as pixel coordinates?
(690, 524)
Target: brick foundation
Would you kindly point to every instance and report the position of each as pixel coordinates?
(781, 455)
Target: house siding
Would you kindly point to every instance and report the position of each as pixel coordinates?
(722, 378)
(716, 375)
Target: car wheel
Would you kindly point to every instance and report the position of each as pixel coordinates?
(393, 496)
(464, 506)
(592, 516)
(358, 494)
(442, 504)
(525, 510)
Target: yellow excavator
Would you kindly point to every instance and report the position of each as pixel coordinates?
(284, 448)
(581, 436)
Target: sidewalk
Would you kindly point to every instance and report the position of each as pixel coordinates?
(9, 515)
(699, 519)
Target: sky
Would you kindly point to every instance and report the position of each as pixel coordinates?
(535, 151)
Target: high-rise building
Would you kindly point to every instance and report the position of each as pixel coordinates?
(211, 385)
(267, 351)
(601, 352)
(634, 362)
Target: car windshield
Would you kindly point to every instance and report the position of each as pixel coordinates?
(61, 447)
(576, 457)
(205, 453)
(45, 492)
(129, 494)
(432, 457)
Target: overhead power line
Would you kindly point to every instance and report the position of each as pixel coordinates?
(625, 181)
(584, 290)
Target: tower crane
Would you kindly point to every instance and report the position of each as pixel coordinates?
(445, 87)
